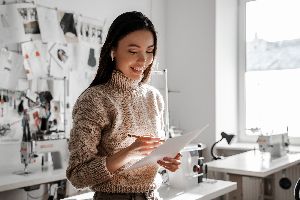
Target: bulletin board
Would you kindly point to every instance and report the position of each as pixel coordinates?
(39, 46)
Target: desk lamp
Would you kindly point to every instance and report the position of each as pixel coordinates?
(228, 138)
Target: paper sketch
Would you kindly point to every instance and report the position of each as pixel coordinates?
(89, 56)
(67, 22)
(11, 25)
(48, 20)
(86, 68)
(11, 69)
(29, 17)
(62, 54)
(35, 59)
(90, 30)
(30, 20)
(170, 148)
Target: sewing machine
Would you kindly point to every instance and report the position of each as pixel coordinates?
(31, 149)
(42, 136)
(276, 145)
(191, 171)
(40, 142)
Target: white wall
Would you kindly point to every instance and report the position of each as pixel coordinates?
(191, 58)
(201, 52)
(226, 66)
(158, 17)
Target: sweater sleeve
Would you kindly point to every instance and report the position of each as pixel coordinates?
(86, 167)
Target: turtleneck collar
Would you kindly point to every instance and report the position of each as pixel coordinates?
(120, 81)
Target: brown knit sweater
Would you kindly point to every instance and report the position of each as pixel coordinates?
(103, 116)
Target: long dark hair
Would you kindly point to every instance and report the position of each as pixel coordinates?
(123, 25)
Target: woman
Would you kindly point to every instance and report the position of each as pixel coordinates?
(119, 103)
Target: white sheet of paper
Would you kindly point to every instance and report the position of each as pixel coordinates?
(63, 55)
(11, 25)
(168, 149)
(90, 30)
(67, 23)
(35, 62)
(11, 69)
(28, 14)
(48, 20)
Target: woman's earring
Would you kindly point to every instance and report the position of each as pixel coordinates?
(112, 55)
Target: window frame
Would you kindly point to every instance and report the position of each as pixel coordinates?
(242, 136)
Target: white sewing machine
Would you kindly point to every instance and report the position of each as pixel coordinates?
(191, 171)
(276, 145)
(31, 149)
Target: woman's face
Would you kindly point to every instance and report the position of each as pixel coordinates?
(134, 53)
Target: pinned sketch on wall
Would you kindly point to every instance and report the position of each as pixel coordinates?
(11, 25)
(89, 56)
(86, 69)
(67, 22)
(30, 22)
(11, 69)
(62, 54)
(48, 20)
(35, 59)
(90, 35)
(90, 30)
(36, 63)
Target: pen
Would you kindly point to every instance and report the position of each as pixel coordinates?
(137, 136)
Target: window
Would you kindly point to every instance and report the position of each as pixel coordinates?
(269, 66)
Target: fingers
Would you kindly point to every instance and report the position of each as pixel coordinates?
(144, 145)
(172, 164)
(172, 160)
(149, 139)
(169, 166)
(146, 142)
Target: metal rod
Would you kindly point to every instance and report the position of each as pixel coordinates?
(167, 103)
(167, 123)
(65, 105)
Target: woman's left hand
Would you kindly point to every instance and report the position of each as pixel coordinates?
(171, 164)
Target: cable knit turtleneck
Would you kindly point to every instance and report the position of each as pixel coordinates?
(103, 116)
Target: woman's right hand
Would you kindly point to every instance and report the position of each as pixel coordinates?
(143, 146)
